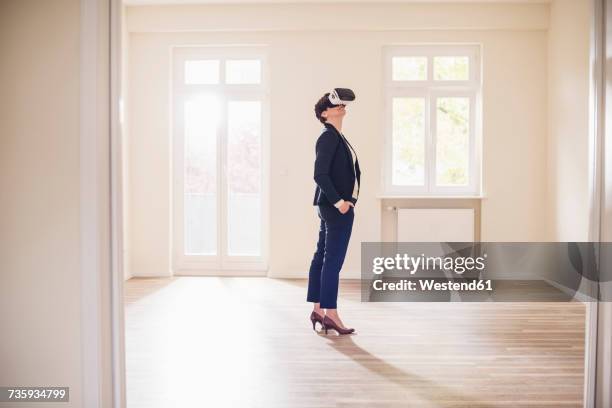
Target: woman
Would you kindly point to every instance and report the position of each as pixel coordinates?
(337, 175)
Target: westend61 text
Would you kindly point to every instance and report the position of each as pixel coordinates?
(433, 285)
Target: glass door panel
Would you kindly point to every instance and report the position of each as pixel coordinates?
(201, 122)
(244, 169)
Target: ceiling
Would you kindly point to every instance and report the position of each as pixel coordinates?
(176, 2)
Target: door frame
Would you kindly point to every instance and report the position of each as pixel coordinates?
(602, 368)
(101, 233)
(596, 135)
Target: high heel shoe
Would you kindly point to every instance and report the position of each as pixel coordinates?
(314, 318)
(328, 323)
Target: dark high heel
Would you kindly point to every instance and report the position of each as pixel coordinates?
(314, 318)
(328, 323)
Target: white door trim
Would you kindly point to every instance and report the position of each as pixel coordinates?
(116, 200)
(596, 137)
(102, 328)
(90, 243)
(603, 373)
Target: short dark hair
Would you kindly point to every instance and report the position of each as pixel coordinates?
(321, 106)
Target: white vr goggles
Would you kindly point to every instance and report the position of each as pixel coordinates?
(341, 96)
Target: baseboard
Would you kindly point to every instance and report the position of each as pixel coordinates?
(224, 273)
(287, 274)
(150, 275)
(580, 295)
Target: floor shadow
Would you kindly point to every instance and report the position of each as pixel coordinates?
(414, 383)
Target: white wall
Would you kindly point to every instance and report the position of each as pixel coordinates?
(54, 221)
(40, 298)
(568, 98)
(306, 61)
(514, 137)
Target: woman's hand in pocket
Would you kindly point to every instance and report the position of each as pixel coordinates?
(345, 207)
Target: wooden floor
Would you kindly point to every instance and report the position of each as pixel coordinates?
(247, 342)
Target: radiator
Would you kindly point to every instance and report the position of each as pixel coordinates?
(435, 225)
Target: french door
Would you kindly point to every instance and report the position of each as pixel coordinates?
(220, 128)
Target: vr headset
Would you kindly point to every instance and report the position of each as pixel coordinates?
(341, 96)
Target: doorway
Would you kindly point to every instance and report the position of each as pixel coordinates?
(202, 194)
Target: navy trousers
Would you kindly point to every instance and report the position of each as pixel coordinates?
(334, 234)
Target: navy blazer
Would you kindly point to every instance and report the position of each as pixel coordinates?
(333, 169)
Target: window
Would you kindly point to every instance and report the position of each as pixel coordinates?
(219, 134)
(432, 100)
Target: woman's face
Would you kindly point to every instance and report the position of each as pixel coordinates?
(336, 112)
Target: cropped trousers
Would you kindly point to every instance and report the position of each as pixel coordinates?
(334, 235)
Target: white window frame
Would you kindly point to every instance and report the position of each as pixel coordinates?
(221, 263)
(430, 90)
